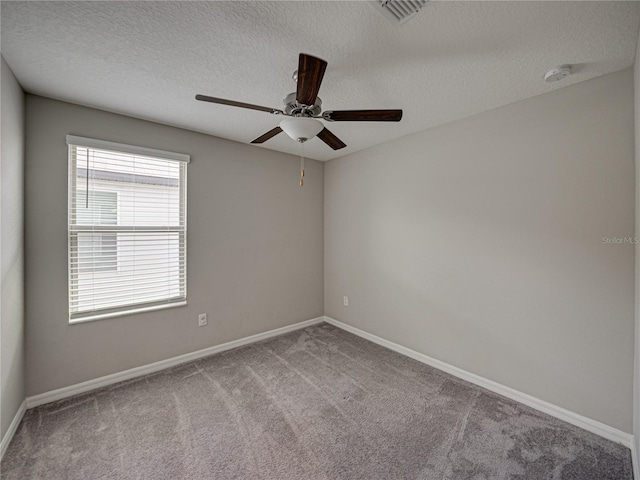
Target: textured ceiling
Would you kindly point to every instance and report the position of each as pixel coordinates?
(454, 59)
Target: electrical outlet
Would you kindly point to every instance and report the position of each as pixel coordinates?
(202, 319)
(345, 301)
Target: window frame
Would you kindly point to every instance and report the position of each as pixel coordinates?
(87, 315)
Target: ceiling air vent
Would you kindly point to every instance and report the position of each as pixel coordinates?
(399, 11)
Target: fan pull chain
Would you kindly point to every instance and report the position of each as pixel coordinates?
(301, 164)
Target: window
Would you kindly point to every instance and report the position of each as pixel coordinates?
(97, 251)
(127, 229)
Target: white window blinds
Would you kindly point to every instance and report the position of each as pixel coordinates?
(127, 229)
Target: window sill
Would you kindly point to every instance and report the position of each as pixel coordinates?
(122, 313)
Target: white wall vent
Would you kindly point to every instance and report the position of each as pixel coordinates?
(399, 11)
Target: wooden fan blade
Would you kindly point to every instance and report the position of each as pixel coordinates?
(233, 103)
(310, 73)
(271, 133)
(330, 139)
(363, 115)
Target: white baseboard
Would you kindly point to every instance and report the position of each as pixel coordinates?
(89, 385)
(635, 459)
(8, 436)
(568, 416)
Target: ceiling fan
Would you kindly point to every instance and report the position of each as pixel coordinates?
(303, 108)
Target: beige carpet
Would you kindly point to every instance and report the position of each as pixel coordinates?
(314, 404)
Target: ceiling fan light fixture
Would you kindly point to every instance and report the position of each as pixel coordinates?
(301, 129)
(303, 107)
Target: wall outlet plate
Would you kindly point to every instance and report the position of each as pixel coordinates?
(345, 301)
(202, 319)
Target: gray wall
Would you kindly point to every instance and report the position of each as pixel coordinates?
(11, 248)
(255, 248)
(636, 376)
(479, 243)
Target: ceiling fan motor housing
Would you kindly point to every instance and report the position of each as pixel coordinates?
(292, 107)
